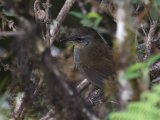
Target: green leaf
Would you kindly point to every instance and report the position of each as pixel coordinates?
(133, 71)
(135, 1)
(8, 13)
(153, 98)
(152, 60)
(131, 75)
(93, 15)
(135, 67)
(77, 14)
(92, 19)
(140, 69)
(146, 109)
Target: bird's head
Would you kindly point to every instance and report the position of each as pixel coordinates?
(82, 37)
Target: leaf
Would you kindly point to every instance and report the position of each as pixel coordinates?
(131, 75)
(135, 67)
(146, 109)
(8, 13)
(94, 15)
(140, 69)
(135, 1)
(77, 14)
(133, 71)
(152, 60)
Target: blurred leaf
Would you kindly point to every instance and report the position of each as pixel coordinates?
(3, 83)
(77, 14)
(92, 19)
(96, 18)
(8, 13)
(152, 60)
(154, 12)
(93, 15)
(131, 75)
(133, 71)
(135, 67)
(4, 108)
(140, 69)
(3, 53)
(146, 109)
(101, 30)
(135, 1)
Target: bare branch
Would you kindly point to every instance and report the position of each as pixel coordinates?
(150, 39)
(47, 20)
(60, 18)
(18, 112)
(16, 33)
(82, 85)
(81, 6)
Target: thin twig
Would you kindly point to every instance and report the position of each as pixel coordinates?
(18, 113)
(60, 18)
(11, 24)
(82, 85)
(81, 6)
(145, 12)
(150, 38)
(36, 7)
(47, 20)
(143, 29)
(49, 115)
(103, 6)
(40, 15)
(155, 81)
(16, 33)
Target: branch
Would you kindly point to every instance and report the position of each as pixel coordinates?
(83, 85)
(150, 39)
(60, 18)
(19, 109)
(81, 6)
(7, 33)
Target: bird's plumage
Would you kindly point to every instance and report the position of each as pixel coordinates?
(93, 59)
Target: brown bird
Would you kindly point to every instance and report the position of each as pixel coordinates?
(93, 57)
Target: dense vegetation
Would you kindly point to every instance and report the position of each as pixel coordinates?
(38, 79)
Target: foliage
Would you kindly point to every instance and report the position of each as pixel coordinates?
(140, 69)
(154, 10)
(146, 109)
(4, 107)
(135, 1)
(91, 19)
(21, 65)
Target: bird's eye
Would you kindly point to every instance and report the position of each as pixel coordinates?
(80, 39)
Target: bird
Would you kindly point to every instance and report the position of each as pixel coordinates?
(93, 57)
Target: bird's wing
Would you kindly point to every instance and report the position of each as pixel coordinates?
(98, 72)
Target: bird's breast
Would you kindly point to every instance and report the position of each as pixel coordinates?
(80, 60)
(76, 57)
